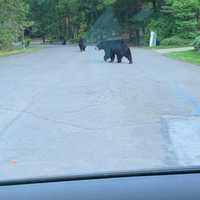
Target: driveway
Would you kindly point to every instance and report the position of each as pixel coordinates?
(171, 50)
(63, 112)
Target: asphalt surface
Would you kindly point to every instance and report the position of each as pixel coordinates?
(63, 112)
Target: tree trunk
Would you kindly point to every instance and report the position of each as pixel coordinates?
(43, 39)
(154, 5)
(137, 37)
(198, 17)
(23, 40)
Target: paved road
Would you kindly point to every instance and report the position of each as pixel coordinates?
(63, 112)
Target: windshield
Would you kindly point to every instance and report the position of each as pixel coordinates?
(98, 86)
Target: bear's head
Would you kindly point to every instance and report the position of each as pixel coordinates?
(101, 45)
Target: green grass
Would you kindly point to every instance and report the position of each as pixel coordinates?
(171, 46)
(18, 51)
(186, 56)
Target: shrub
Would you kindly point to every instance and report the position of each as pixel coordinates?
(162, 25)
(6, 39)
(27, 42)
(175, 41)
(74, 40)
(196, 43)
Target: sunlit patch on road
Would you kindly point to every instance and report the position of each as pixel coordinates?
(185, 138)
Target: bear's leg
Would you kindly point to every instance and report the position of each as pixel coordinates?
(112, 56)
(84, 47)
(129, 56)
(81, 48)
(107, 56)
(119, 58)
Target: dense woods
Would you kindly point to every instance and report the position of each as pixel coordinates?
(174, 21)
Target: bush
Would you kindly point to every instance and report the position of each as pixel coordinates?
(52, 40)
(28, 42)
(74, 40)
(6, 39)
(162, 25)
(196, 43)
(175, 41)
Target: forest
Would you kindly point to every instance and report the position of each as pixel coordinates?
(176, 22)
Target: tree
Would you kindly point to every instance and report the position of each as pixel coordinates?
(43, 14)
(13, 21)
(185, 16)
(127, 12)
(105, 27)
(161, 22)
(65, 19)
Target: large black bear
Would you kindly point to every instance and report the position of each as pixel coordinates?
(82, 44)
(114, 48)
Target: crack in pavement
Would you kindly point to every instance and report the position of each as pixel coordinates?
(45, 118)
(18, 116)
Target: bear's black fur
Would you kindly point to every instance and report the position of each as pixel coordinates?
(114, 48)
(82, 44)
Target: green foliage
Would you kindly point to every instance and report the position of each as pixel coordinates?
(133, 17)
(68, 20)
(12, 21)
(65, 19)
(6, 38)
(196, 43)
(175, 41)
(125, 10)
(163, 26)
(184, 15)
(28, 42)
(73, 41)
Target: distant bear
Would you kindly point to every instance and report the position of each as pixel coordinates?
(114, 48)
(64, 42)
(82, 44)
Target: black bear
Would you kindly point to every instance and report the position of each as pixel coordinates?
(114, 48)
(82, 44)
(63, 40)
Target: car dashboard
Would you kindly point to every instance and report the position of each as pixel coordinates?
(168, 185)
